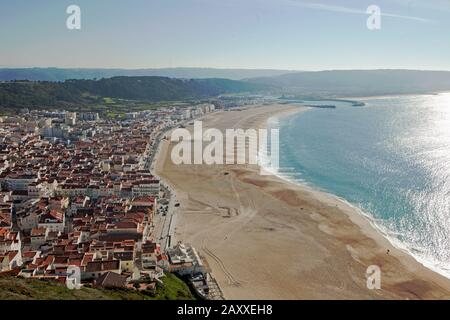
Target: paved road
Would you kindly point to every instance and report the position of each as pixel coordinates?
(164, 225)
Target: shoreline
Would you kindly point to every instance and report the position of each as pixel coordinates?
(325, 229)
(381, 230)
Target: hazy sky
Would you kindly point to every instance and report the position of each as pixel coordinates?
(283, 34)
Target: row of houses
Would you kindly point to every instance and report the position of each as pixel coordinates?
(84, 207)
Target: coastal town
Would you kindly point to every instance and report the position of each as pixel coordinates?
(80, 204)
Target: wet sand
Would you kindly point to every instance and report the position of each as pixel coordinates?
(265, 238)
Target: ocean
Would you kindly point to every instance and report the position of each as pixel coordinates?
(390, 158)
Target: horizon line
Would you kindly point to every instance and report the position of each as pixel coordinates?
(226, 68)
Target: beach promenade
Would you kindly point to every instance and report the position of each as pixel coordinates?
(265, 238)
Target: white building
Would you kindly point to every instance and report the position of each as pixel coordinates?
(52, 220)
(145, 188)
(70, 118)
(185, 260)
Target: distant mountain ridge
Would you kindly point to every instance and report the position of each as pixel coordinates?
(359, 82)
(62, 74)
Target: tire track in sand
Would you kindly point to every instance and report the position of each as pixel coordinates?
(228, 274)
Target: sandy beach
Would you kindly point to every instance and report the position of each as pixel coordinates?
(265, 238)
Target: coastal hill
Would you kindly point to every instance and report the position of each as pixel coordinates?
(19, 94)
(12, 288)
(79, 93)
(359, 82)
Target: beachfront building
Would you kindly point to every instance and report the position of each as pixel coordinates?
(184, 260)
(143, 188)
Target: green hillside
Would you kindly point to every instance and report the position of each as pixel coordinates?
(29, 289)
(29, 94)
